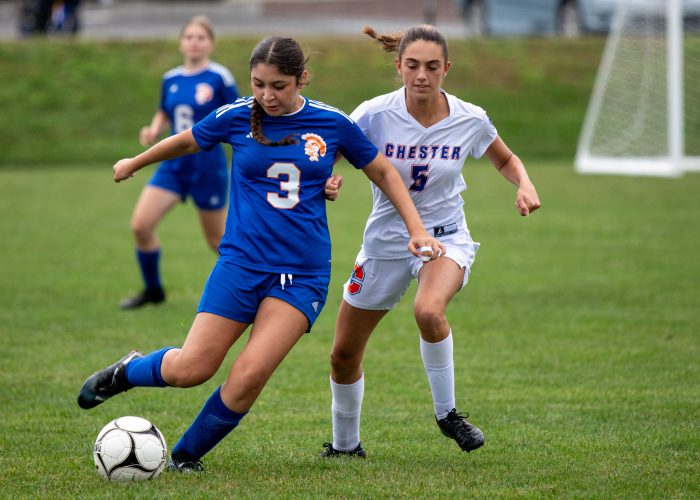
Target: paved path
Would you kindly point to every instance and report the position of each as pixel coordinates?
(117, 19)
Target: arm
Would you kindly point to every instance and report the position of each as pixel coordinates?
(510, 167)
(171, 147)
(384, 175)
(150, 133)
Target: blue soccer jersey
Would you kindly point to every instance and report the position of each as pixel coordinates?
(188, 97)
(277, 212)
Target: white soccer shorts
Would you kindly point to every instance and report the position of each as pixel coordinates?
(378, 285)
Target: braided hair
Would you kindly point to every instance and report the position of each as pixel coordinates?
(286, 54)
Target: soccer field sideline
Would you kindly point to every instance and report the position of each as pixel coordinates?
(576, 348)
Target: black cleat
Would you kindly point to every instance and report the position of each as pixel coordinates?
(455, 426)
(108, 382)
(331, 452)
(147, 296)
(187, 466)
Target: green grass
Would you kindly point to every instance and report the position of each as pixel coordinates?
(576, 348)
(81, 102)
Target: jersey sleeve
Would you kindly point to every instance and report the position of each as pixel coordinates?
(354, 145)
(361, 117)
(487, 134)
(213, 129)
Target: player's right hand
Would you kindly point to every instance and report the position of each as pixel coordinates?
(122, 170)
(425, 247)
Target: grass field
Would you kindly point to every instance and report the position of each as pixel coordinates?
(576, 349)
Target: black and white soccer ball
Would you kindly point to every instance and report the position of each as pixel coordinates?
(129, 449)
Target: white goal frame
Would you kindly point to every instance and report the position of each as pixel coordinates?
(672, 162)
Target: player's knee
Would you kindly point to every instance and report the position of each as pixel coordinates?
(143, 233)
(428, 317)
(344, 362)
(250, 378)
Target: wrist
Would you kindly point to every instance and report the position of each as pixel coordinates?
(525, 183)
(417, 232)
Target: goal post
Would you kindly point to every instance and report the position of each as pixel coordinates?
(643, 117)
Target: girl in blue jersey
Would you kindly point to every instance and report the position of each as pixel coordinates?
(188, 93)
(274, 263)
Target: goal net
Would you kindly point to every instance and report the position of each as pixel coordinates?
(643, 117)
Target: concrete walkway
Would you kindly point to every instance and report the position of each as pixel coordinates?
(115, 19)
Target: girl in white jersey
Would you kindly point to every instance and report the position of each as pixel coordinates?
(427, 134)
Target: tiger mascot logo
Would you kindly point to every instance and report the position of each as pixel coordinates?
(314, 146)
(203, 93)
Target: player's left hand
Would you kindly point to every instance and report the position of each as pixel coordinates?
(425, 247)
(332, 189)
(526, 200)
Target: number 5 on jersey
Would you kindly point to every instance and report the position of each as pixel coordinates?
(419, 174)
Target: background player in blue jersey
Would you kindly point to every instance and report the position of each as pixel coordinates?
(427, 134)
(188, 93)
(274, 264)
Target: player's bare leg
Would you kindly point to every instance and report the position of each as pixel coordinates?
(197, 361)
(438, 282)
(153, 204)
(213, 223)
(353, 329)
(207, 343)
(277, 327)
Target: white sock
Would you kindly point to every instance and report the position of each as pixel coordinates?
(437, 360)
(346, 408)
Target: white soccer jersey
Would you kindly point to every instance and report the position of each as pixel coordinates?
(430, 161)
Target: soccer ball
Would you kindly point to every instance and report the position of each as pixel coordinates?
(129, 449)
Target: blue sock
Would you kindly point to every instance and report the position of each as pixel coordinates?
(212, 425)
(148, 263)
(145, 372)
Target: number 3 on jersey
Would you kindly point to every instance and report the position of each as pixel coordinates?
(419, 174)
(291, 185)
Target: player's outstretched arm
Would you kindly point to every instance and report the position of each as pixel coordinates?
(384, 175)
(170, 147)
(510, 167)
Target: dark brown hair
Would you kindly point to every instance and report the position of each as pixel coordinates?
(286, 54)
(397, 42)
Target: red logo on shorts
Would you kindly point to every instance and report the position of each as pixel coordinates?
(356, 279)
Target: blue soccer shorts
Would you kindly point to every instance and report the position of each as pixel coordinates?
(236, 292)
(203, 175)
